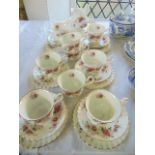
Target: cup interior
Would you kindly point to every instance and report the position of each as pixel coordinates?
(36, 104)
(71, 80)
(103, 106)
(94, 58)
(95, 28)
(48, 60)
(70, 38)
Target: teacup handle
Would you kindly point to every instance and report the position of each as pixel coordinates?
(58, 98)
(84, 44)
(89, 80)
(101, 43)
(124, 101)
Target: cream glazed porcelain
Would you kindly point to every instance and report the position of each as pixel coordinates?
(102, 107)
(50, 64)
(79, 18)
(37, 104)
(63, 27)
(96, 36)
(95, 63)
(71, 43)
(106, 130)
(95, 30)
(42, 118)
(73, 81)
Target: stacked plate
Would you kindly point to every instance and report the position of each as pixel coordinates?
(101, 120)
(39, 124)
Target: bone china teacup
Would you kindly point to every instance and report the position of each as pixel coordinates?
(49, 62)
(93, 61)
(72, 82)
(38, 104)
(95, 30)
(102, 107)
(61, 28)
(71, 43)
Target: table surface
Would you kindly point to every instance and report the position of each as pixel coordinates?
(32, 38)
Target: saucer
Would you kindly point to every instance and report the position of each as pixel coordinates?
(131, 77)
(104, 43)
(36, 80)
(104, 79)
(129, 48)
(45, 131)
(100, 137)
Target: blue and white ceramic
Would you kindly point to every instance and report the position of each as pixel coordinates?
(131, 77)
(129, 48)
(122, 25)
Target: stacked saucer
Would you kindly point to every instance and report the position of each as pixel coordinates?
(43, 116)
(101, 120)
(129, 48)
(95, 63)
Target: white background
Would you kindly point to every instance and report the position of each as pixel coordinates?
(145, 77)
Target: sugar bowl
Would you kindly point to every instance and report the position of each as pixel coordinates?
(123, 25)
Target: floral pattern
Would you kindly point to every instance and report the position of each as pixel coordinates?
(33, 128)
(104, 130)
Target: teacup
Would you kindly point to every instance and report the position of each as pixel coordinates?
(79, 17)
(95, 31)
(38, 104)
(93, 61)
(50, 63)
(71, 44)
(102, 107)
(64, 27)
(73, 81)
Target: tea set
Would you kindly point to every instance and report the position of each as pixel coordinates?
(100, 118)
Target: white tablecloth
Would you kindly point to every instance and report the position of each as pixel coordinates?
(33, 35)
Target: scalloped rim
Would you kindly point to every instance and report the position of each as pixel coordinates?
(103, 84)
(39, 84)
(89, 141)
(34, 144)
